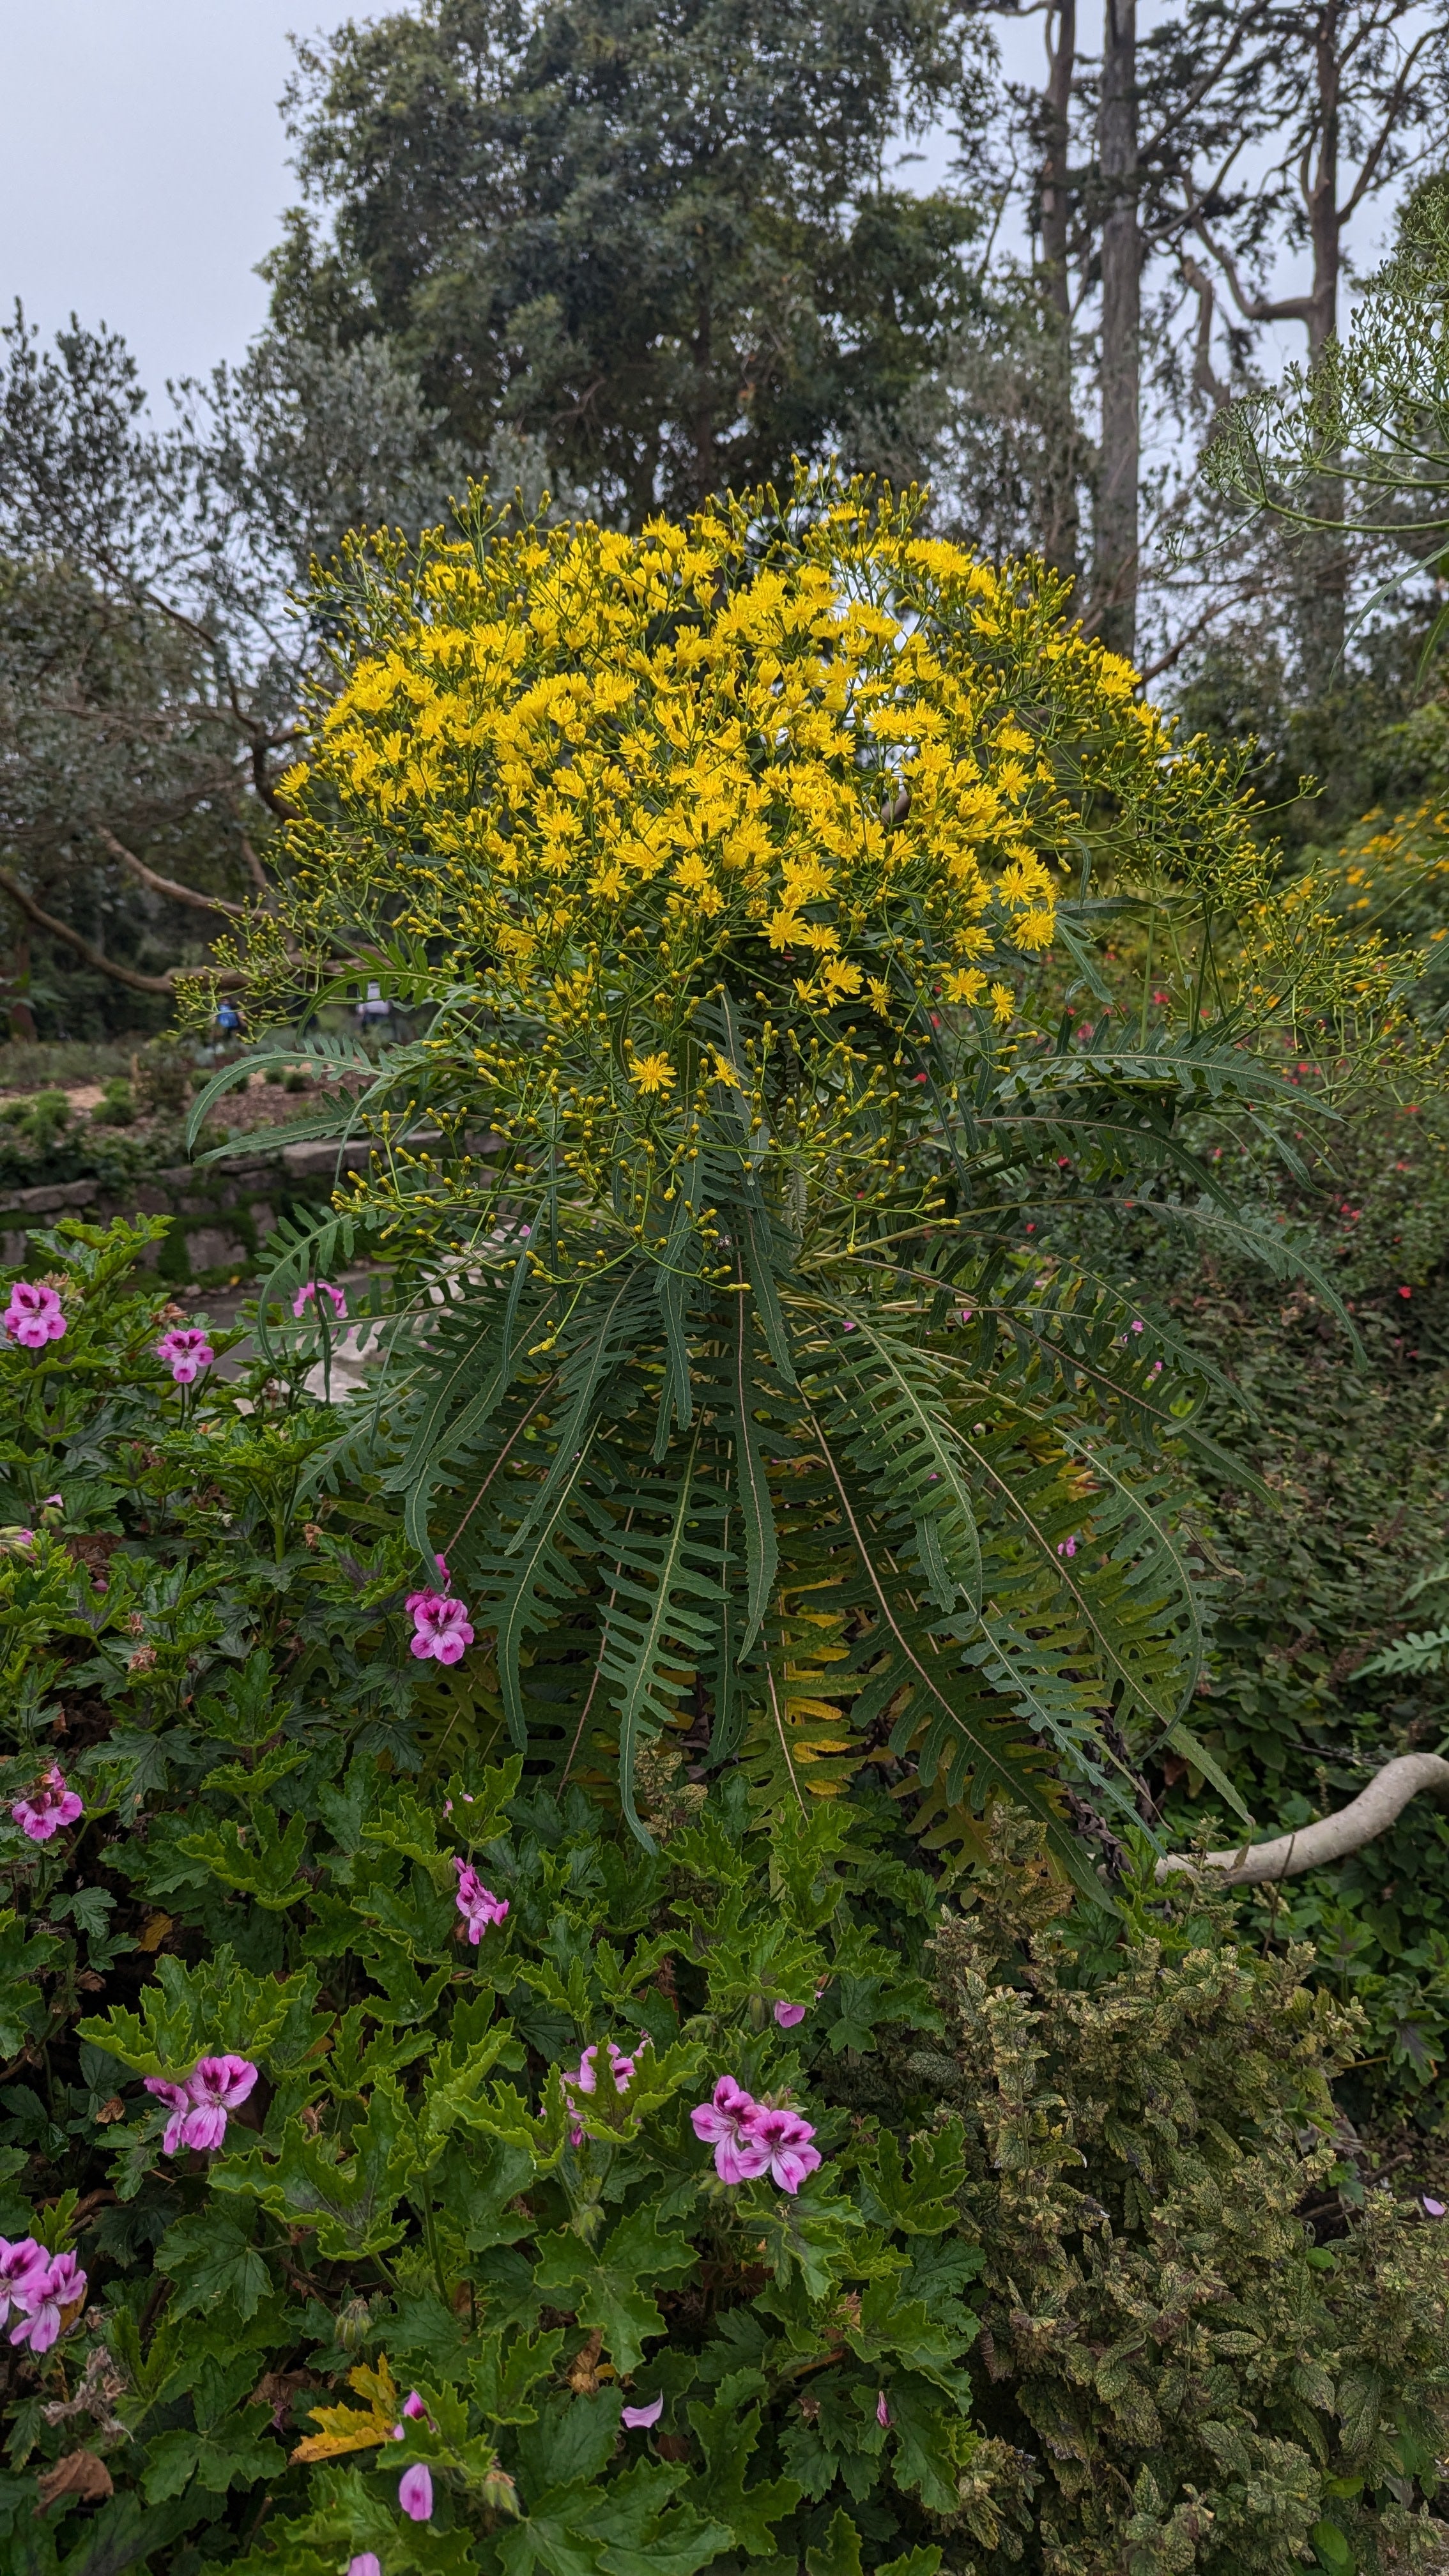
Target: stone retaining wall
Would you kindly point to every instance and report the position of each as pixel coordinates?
(220, 1214)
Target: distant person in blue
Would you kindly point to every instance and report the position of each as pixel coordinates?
(228, 1019)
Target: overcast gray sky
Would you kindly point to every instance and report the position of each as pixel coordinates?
(143, 166)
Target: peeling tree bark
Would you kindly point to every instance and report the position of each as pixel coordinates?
(1115, 569)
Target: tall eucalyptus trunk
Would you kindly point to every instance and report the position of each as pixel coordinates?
(1116, 532)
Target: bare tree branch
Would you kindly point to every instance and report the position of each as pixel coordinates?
(96, 957)
(1332, 1838)
(174, 892)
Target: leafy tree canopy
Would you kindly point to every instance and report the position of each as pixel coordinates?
(660, 240)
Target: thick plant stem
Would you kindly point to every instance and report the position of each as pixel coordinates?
(1332, 1838)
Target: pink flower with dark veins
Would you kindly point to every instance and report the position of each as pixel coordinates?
(200, 2107)
(186, 1353)
(178, 2102)
(790, 2016)
(22, 2264)
(782, 2139)
(44, 2300)
(33, 1316)
(415, 2411)
(477, 1904)
(47, 1808)
(314, 1292)
(441, 1627)
(726, 2123)
(583, 2078)
(415, 2493)
(218, 2086)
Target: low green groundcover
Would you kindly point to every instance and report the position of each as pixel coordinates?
(404, 2171)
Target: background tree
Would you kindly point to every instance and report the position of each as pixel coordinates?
(150, 661)
(657, 237)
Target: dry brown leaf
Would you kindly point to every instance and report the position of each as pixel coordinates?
(80, 2474)
(153, 1931)
(275, 2390)
(115, 2109)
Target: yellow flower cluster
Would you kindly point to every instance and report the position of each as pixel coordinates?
(591, 752)
(697, 836)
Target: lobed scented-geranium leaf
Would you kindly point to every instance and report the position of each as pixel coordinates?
(209, 2257)
(839, 2555)
(556, 2536)
(808, 2233)
(350, 2198)
(256, 1858)
(457, 2093)
(923, 2203)
(360, 2052)
(24, 1956)
(216, 2007)
(568, 2441)
(223, 2449)
(506, 2366)
(355, 2428)
(605, 2286)
(728, 2435)
(904, 2330)
(254, 1786)
(924, 2458)
(638, 2523)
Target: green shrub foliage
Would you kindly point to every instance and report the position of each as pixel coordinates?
(1048, 2299)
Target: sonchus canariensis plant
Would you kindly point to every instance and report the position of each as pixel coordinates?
(749, 1386)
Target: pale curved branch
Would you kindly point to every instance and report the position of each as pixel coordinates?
(130, 975)
(169, 886)
(1332, 1838)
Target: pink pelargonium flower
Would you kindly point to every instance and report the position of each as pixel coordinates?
(178, 2102)
(441, 1627)
(218, 2086)
(583, 2078)
(477, 1904)
(883, 2415)
(415, 2493)
(789, 2016)
(315, 1291)
(726, 2123)
(200, 2107)
(637, 2419)
(34, 1315)
(186, 1353)
(48, 1808)
(22, 2265)
(366, 2563)
(44, 2300)
(782, 2139)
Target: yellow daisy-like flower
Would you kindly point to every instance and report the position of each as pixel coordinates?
(1003, 1003)
(652, 1073)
